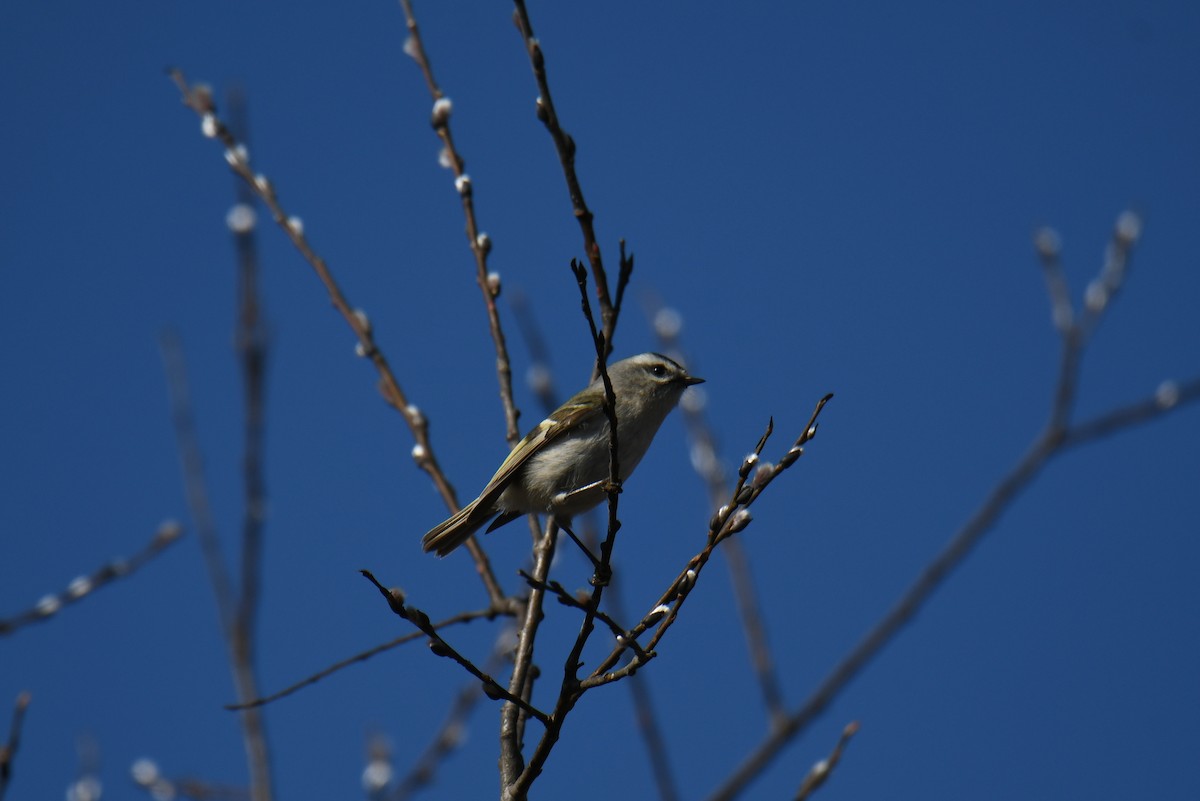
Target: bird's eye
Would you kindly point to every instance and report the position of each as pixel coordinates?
(658, 370)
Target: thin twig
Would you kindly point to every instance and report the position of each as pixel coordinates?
(440, 647)
(228, 605)
(1058, 435)
(461, 617)
(480, 243)
(83, 586)
(512, 762)
(251, 339)
(707, 463)
(729, 519)
(199, 99)
(564, 145)
(8, 749)
(823, 769)
(645, 716)
(194, 482)
(447, 738)
(543, 387)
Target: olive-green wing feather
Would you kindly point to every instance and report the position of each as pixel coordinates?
(448, 535)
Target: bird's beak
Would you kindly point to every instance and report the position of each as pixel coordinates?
(691, 380)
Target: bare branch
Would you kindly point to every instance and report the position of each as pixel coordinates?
(1058, 435)
(251, 339)
(83, 586)
(564, 144)
(462, 617)
(480, 243)
(447, 738)
(707, 463)
(823, 769)
(440, 647)
(199, 99)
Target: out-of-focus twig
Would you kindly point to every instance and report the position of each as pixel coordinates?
(83, 586)
(448, 736)
(645, 715)
(8, 749)
(823, 769)
(251, 339)
(707, 463)
(151, 780)
(199, 99)
(228, 604)
(1058, 435)
(480, 243)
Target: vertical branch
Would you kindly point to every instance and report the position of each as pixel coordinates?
(198, 98)
(645, 716)
(251, 343)
(564, 145)
(480, 243)
(667, 325)
(571, 689)
(643, 702)
(512, 760)
(195, 485)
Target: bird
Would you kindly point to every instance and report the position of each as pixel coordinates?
(561, 467)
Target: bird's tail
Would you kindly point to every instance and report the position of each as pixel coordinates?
(457, 529)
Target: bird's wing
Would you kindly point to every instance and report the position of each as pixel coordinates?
(567, 417)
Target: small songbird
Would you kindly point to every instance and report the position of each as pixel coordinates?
(561, 466)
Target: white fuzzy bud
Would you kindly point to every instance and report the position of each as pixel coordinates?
(657, 613)
(48, 605)
(668, 323)
(483, 242)
(419, 453)
(741, 519)
(85, 788)
(444, 158)
(363, 319)
(694, 399)
(415, 414)
(209, 125)
(79, 587)
(376, 776)
(264, 184)
(703, 458)
(463, 184)
(410, 46)
(1095, 297)
(144, 771)
(295, 225)
(237, 155)
(763, 473)
(441, 111)
(1128, 228)
(493, 284)
(1167, 394)
(1047, 242)
(241, 218)
(360, 350)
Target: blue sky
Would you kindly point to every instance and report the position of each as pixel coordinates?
(836, 198)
